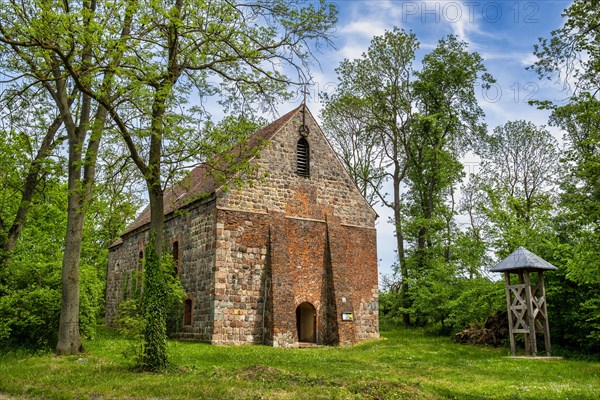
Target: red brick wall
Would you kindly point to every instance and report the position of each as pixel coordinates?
(269, 264)
(354, 265)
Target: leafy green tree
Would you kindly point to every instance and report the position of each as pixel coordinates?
(448, 119)
(232, 130)
(518, 176)
(34, 33)
(160, 52)
(580, 197)
(31, 296)
(374, 98)
(27, 142)
(222, 148)
(30, 306)
(573, 290)
(471, 243)
(571, 56)
(346, 122)
(394, 124)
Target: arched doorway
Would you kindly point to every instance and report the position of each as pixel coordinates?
(306, 323)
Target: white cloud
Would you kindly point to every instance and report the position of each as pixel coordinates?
(366, 28)
(527, 59)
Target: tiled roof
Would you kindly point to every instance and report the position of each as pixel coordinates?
(201, 182)
(523, 259)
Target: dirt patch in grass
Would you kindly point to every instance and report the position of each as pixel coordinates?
(8, 397)
(379, 390)
(262, 373)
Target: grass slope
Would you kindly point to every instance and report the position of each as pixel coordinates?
(405, 364)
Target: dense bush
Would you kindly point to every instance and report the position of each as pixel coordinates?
(573, 313)
(151, 311)
(30, 311)
(31, 296)
(445, 306)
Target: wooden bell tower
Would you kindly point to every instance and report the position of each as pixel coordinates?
(526, 301)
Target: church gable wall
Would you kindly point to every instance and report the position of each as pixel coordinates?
(286, 217)
(267, 265)
(327, 189)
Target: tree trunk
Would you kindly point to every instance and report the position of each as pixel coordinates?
(69, 340)
(153, 170)
(154, 357)
(400, 244)
(80, 192)
(157, 215)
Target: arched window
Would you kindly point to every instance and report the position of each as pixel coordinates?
(176, 258)
(187, 312)
(141, 260)
(302, 158)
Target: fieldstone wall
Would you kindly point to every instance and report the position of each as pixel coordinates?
(124, 272)
(194, 230)
(241, 280)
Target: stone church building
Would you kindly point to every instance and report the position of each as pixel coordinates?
(286, 258)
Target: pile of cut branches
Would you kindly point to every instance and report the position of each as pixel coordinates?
(494, 332)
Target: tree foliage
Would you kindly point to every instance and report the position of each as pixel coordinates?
(518, 181)
(138, 62)
(408, 128)
(571, 56)
(30, 306)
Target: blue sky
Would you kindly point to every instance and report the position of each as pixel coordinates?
(502, 32)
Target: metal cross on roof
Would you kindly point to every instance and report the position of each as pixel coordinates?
(305, 92)
(303, 128)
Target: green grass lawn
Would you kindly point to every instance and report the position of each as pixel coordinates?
(404, 364)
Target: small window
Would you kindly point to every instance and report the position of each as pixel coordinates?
(176, 258)
(187, 312)
(302, 158)
(141, 260)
